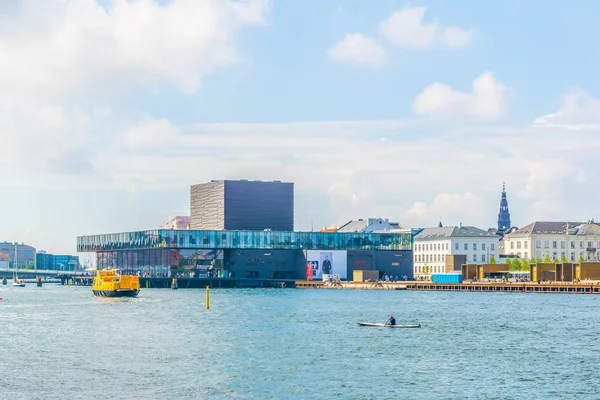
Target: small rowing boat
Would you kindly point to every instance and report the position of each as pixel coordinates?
(389, 326)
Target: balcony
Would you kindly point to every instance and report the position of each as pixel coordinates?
(591, 249)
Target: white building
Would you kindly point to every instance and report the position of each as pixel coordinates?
(370, 225)
(432, 245)
(553, 239)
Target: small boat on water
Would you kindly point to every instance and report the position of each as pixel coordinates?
(110, 283)
(18, 283)
(389, 326)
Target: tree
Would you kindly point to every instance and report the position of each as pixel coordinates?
(492, 259)
(524, 265)
(580, 259)
(515, 265)
(555, 260)
(563, 260)
(547, 258)
(507, 261)
(426, 269)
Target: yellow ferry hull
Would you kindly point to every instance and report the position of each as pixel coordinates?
(116, 293)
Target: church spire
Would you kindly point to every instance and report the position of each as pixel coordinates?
(503, 214)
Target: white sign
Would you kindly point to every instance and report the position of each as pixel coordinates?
(328, 262)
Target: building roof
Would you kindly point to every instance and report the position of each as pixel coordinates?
(370, 225)
(354, 226)
(545, 227)
(448, 232)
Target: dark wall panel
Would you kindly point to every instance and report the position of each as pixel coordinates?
(256, 205)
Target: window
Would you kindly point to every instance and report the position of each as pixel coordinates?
(526, 255)
(519, 254)
(546, 244)
(554, 244)
(456, 246)
(572, 254)
(512, 245)
(482, 246)
(572, 245)
(474, 246)
(590, 244)
(538, 244)
(475, 257)
(562, 245)
(447, 246)
(518, 244)
(581, 245)
(466, 246)
(483, 258)
(492, 246)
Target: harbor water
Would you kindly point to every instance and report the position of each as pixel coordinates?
(60, 342)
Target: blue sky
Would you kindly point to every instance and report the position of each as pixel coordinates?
(110, 110)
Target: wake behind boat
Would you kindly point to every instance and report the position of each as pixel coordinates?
(389, 326)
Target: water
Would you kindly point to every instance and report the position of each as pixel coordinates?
(63, 343)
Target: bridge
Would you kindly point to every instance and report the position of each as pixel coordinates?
(34, 273)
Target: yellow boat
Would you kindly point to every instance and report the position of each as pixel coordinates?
(110, 283)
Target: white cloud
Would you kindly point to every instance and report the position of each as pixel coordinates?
(452, 208)
(358, 48)
(454, 36)
(487, 100)
(59, 46)
(63, 61)
(406, 28)
(151, 133)
(579, 111)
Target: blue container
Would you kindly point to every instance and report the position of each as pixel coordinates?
(447, 278)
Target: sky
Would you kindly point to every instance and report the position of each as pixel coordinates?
(414, 111)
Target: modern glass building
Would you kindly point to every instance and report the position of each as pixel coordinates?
(251, 254)
(46, 261)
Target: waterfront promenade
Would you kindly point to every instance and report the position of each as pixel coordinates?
(591, 287)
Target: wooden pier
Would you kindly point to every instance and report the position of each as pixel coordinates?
(522, 287)
(514, 287)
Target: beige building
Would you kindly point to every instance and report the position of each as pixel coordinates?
(555, 240)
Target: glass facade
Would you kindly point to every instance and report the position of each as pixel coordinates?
(195, 239)
(161, 262)
(56, 262)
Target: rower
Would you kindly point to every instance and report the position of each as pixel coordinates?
(391, 321)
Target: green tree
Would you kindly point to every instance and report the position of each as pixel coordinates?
(507, 261)
(563, 260)
(492, 259)
(547, 259)
(524, 265)
(555, 260)
(426, 269)
(580, 260)
(515, 265)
